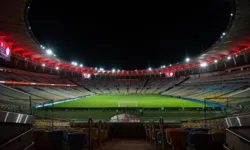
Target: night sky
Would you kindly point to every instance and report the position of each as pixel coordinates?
(128, 35)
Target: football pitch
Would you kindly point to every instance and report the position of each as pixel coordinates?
(105, 101)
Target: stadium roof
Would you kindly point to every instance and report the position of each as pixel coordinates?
(15, 29)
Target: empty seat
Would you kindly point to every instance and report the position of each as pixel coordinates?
(77, 140)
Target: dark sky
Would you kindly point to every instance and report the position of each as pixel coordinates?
(128, 35)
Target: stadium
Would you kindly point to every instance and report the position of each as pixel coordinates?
(48, 103)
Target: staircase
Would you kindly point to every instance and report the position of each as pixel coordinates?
(236, 93)
(126, 144)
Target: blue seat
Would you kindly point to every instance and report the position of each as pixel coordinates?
(57, 139)
(205, 130)
(77, 140)
(201, 141)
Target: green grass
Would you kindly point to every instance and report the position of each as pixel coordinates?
(102, 101)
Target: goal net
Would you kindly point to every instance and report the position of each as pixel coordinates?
(127, 103)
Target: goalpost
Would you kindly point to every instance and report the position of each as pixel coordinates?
(127, 103)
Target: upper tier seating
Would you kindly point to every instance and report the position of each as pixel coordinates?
(128, 86)
(222, 87)
(32, 77)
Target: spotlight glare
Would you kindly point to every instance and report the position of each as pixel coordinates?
(49, 52)
(57, 68)
(43, 65)
(215, 61)
(203, 64)
(229, 57)
(149, 68)
(187, 59)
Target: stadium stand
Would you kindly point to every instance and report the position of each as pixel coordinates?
(220, 82)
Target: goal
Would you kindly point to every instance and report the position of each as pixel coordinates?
(127, 103)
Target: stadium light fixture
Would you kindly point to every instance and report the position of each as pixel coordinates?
(229, 57)
(231, 14)
(215, 61)
(81, 65)
(43, 65)
(187, 59)
(74, 63)
(101, 69)
(54, 55)
(57, 68)
(203, 64)
(149, 68)
(49, 52)
(170, 65)
(224, 33)
(118, 70)
(113, 70)
(42, 46)
(163, 66)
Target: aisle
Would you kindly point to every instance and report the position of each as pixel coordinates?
(126, 144)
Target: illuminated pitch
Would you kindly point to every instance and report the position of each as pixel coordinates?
(104, 101)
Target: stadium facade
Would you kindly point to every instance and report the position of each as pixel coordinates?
(231, 49)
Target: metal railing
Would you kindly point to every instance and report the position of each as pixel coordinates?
(238, 135)
(226, 147)
(15, 138)
(29, 146)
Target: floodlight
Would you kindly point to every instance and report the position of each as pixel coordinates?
(231, 14)
(215, 61)
(149, 68)
(49, 52)
(43, 65)
(203, 64)
(229, 57)
(223, 33)
(113, 70)
(74, 63)
(187, 59)
(57, 68)
(81, 65)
